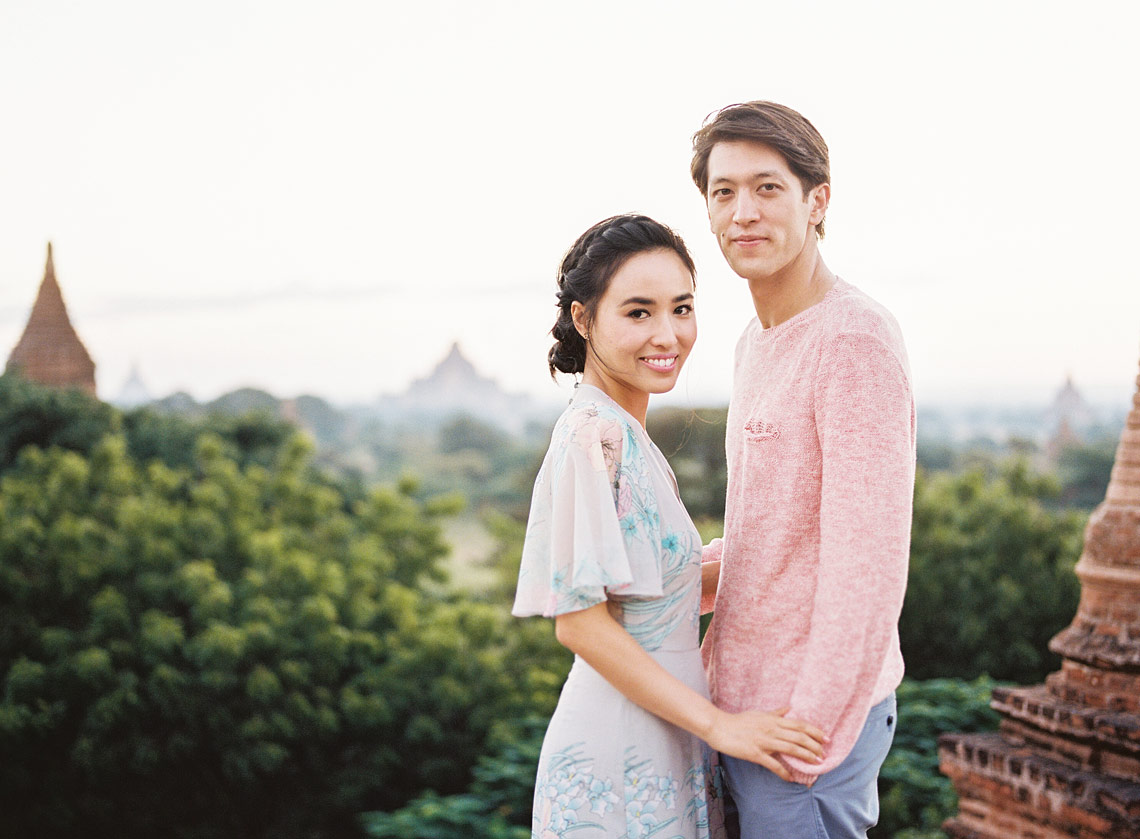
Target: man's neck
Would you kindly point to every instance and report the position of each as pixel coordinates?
(783, 296)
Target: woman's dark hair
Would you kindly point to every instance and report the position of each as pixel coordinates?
(586, 271)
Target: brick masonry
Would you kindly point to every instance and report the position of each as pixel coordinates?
(50, 352)
(1065, 763)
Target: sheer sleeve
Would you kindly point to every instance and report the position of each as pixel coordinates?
(593, 522)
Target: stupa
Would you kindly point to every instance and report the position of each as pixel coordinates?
(50, 352)
(1066, 761)
(453, 387)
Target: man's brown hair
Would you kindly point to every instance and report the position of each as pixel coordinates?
(770, 124)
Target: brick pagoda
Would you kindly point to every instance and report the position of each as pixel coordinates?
(1066, 761)
(50, 352)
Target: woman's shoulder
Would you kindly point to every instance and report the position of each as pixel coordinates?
(597, 428)
(592, 413)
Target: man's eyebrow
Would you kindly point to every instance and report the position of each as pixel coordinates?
(767, 174)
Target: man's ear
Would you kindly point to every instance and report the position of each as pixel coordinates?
(819, 199)
(581, 321)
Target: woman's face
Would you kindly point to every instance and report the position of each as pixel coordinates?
(642, 330)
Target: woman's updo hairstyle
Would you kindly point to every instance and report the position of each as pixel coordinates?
(586, 271)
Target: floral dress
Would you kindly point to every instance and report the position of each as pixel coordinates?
(606, 523)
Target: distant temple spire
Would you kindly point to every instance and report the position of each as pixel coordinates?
(50, 352)
(134, 392)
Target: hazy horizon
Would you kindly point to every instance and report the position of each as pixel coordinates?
(321, 200)
(1102, 402)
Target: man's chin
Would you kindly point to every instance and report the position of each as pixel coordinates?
(750, 270)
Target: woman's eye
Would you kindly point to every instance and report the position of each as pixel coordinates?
(639, 314)
(684, 309)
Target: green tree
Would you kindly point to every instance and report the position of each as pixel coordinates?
(693, 440)
(491, 469)
(914, 799)
(172, 438)
(1084, 471)
(223, 649)
(991, 575)
(496, 806)
(31, 415)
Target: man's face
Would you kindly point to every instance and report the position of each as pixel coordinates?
(762, 220)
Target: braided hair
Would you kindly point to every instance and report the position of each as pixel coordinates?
(586, 271)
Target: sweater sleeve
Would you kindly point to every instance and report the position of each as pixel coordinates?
(865, 420)
(712, 552)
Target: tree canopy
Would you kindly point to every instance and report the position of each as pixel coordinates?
(232, 645)
(991, 574)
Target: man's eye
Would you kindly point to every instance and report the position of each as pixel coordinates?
(769, 187)
(722, 192)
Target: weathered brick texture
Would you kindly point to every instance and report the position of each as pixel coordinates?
(1066, 761)
(50, 352)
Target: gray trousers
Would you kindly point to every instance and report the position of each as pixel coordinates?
(842, 804)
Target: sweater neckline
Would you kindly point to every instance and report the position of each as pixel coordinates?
(810, 313)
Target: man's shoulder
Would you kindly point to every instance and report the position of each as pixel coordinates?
(852, 312)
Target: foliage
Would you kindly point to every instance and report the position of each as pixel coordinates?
(31, 415)
(1084, 471)
(496, 806)
(914, 799)
(491, 469)
(991, 575)
(225, 649)
(509, 534)
(171, 438)
(200, 635)
(693, 441)
(1082, 468)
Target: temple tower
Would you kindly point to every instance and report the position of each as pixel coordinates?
(1066, 761)
(50, 352)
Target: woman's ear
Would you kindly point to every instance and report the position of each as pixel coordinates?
(581, 320)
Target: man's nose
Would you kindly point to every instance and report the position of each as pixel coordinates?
(747, 208)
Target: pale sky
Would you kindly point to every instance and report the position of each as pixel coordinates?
(322, 197)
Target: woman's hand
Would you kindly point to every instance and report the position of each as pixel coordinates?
(759, 736)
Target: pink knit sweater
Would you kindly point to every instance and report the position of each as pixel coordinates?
(821, 449)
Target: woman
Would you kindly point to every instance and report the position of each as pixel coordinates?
(612, 555)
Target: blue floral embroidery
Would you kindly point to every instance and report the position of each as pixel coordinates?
(566, 787)
(605, 780)
(647, 793)
(652, 620)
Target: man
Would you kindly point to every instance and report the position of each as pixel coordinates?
(821, 448)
